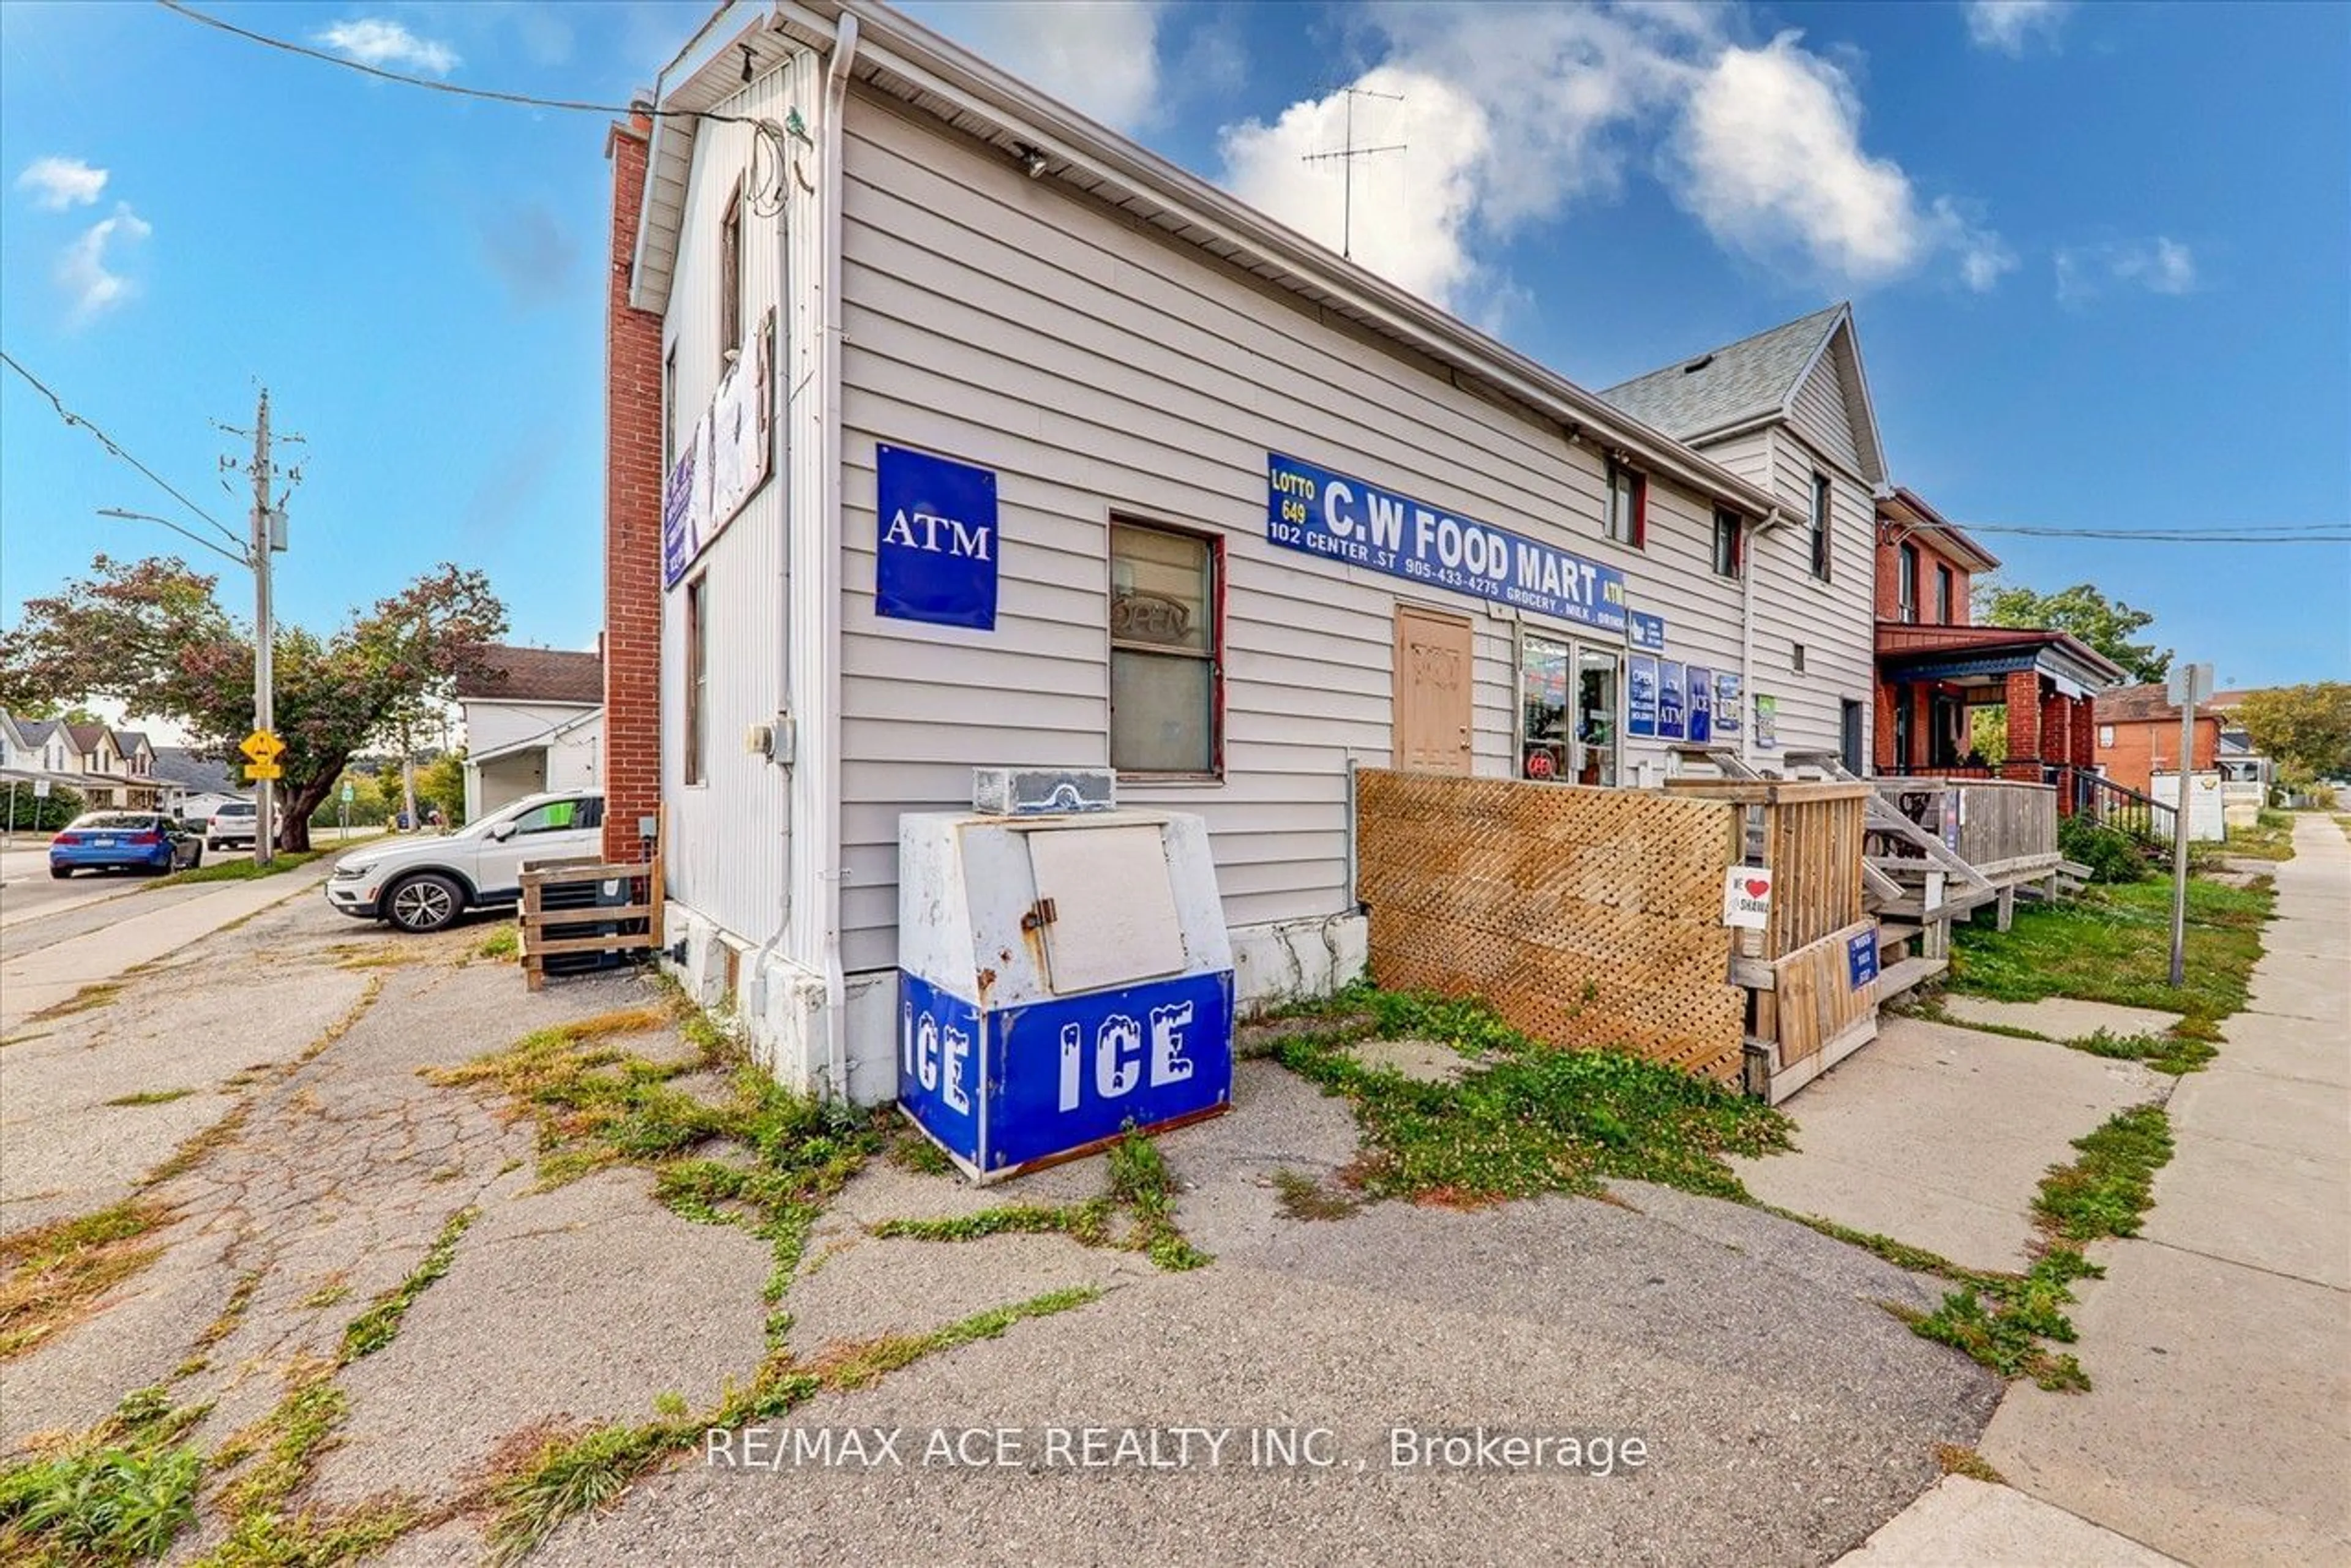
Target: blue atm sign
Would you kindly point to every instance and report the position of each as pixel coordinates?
(1004, 1089)
(1350, 520)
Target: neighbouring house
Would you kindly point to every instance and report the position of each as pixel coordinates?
(113, 766)
(1934, 666)
(35, 748)
(534, 720)
(1789, 410)
(2138, 736)
(195, 787)
(946, 428)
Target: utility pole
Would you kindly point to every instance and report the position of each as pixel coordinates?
(265, 833)
(1346, 156)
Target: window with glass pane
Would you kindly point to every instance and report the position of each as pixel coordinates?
(1626, 523)
(1595, 716)
(1543, 735)
(1821, 527)
(1163, 651)
(1906, 583)
(1943, 594)
(1726, 543)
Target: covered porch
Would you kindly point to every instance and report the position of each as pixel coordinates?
(1932, 679)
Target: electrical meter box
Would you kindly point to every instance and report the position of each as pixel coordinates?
(1060, 978)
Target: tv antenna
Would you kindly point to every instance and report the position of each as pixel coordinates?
(1346, 155)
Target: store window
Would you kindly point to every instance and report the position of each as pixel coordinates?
(1165, 646)
(1730, 543)
(1567, 711)
(1628, 507)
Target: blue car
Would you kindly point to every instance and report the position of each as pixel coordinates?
(129, 840)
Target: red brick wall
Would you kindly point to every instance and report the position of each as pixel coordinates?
(1889, 578)
(2023, 689)
(2143, 746)
(633, 507)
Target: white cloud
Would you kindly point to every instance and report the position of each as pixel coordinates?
(1411, 209)
(82, 267)
(1515, 114)
(2160, 265)
(1101, 57)
(56, 183)
(2010, 26)
(380, 41)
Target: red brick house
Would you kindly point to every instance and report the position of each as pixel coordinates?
(2139, 736)
(1934, 666)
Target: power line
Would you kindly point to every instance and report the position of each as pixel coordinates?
(2247, 534)
(113, 446)
(520, 99)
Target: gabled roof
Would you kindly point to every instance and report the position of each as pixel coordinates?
(1906, 506)
(85, 737)
(899, 59)
(199, 775)
(35, 731)
(535, 675)
(1705, 396)
(129, 741)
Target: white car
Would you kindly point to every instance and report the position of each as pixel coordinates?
(422, 884)
(233, 826)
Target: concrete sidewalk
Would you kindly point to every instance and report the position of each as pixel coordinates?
(41, 979)
(2220, 1429)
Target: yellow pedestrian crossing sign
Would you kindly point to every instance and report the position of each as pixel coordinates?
(262, 748)
(264, 770)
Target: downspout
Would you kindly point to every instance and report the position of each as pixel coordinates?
(1747, 563)
(836, 98)
(779, 475)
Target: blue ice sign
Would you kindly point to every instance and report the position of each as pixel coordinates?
(934, 540)
(1003, 1088)
(1861, 957)
(1647, 631)
(1701, 706)
(1322, 513)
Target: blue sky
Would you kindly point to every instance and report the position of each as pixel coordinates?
(2101, 254)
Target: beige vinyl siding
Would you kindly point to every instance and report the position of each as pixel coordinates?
(1833, 620)
(1818, 410)
(1748, 457)
(1098, 370)
(728, 855)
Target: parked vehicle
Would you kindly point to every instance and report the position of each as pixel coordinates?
(233, 826)
(124, 840)
(423, 884)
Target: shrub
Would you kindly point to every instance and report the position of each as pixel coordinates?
(2109, 853)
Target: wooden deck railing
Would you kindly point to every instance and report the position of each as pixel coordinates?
(2003, 828)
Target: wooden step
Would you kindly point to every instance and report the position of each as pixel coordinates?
(1907, 977)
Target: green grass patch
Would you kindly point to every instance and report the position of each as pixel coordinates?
(242, 869)
(2113, 945)
(380, 1325)
(2168, 1052)
(1304, 1198)
(1956, 1460)
(572, 1475)
(2271, 838)
(120, 1493)
(83, 1000)
(1528, 1118)
(279, 1455)
(151, 1097)
(55, 1274)
(2109, 1189)
(1136, 1213)
(505, 944)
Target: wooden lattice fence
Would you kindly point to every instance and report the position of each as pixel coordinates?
(1585, 916)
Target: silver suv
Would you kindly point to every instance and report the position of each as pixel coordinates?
(233, 826)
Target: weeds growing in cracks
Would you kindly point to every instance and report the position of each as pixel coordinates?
(1137, 1213)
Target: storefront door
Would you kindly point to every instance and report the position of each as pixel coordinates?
(1568, 696)
(1432, 693)
(1595, 714)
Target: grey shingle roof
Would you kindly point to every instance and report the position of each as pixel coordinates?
(202, 775)
(1747, 380)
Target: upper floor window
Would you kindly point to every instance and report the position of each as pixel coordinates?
(1820, 538)
(1628, 507)
(1166, 671)
(730, 279)
(1943, 594)
(1730, 543)
(1906, 597)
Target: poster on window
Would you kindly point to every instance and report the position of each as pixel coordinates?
(1726, 702)
(1767, 723)
(1672, 715)
(1641, 695)
(1701, 706)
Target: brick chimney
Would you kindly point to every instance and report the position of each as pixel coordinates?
(632, 518)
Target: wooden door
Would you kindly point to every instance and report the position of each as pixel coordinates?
(1432, 698)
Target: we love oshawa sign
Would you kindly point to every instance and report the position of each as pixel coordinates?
(1747, 898)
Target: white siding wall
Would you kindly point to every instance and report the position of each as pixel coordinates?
(1832, 619)
(1096, 370)
(1818, 409)
(493, 726)
(730, 834)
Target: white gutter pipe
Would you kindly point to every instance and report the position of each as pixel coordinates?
(829, 776)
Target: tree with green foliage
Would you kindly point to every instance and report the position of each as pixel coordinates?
(2306, 728)
(153, 633)
(442, 783)
(2106, 624)
(26, 812)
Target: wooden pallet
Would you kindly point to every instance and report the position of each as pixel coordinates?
(645, 905)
